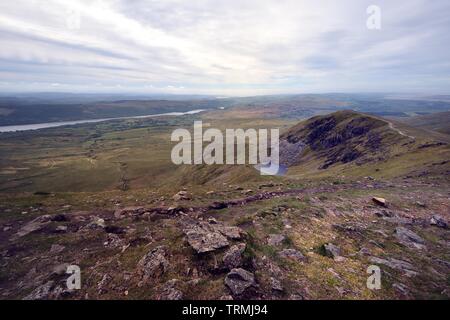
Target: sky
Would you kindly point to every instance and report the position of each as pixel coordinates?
(224, 47)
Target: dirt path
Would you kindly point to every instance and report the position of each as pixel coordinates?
(391, 126)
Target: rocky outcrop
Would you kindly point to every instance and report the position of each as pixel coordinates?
(409, 238)
(170, 291)
(233, 257)
(239, 280)
(154, 263)
(206, 237)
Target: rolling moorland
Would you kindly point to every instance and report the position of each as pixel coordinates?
(362, 188)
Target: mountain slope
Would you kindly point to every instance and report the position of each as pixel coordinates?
(351, 141)
(439, 122)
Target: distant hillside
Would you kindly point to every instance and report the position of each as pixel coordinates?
(439, 122)
(359, 144)
(24, 111)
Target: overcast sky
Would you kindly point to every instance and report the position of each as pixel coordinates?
(224, 47)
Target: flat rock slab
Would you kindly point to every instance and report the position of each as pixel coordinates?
(206, 237)
(409, 238)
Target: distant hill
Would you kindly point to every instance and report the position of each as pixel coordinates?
(359, 144)
(439, 122)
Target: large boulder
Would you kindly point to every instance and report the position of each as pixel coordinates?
(239, 280)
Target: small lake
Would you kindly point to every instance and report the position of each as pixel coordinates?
(37, 126)
(269, 170)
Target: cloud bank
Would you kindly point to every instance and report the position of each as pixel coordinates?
(223, 47)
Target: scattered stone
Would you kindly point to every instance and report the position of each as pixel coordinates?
(331, 250)
(226, 297)
(420, 204)
(292, 254)
(276, 285)
(57, 248)
(380, 201)
(384, 213)
(170, 292)
(61, 229)
(120, 213)
(275, 239)
(233, 233)
(392, 263)
(40, 293)
(154, 263)
(102, 285)
(401, 288)
(233, 257)
(97, 223)
(6, 229)
(437, 220)
(204, 240)
(409, 238)
(207, 237)
(33, 226)
(182, 195)
(239, 280)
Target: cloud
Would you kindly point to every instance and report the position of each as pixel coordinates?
(224, 46)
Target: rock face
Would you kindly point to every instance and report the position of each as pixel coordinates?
(438, 221)
(292, 254)
(233, 257)
(409, 238)
(207, 237)
(275, 239)
(239, 280)
(332, 251)
(154, 263)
